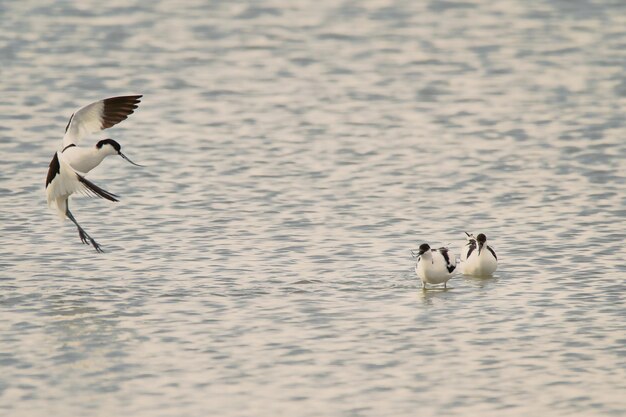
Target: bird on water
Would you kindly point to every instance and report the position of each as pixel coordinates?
(478, 258)
(434, 266)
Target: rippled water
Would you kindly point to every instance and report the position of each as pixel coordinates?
(296, 151)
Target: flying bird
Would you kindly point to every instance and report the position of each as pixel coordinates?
(66, 174)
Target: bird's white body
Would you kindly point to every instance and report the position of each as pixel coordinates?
(67, 182)
(84, 160)
(62, 186)
(434, 267)
(478, 259)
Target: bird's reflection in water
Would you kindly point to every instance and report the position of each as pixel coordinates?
(427, 295)
(480, 282)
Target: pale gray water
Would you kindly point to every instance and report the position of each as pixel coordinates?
(296, 151)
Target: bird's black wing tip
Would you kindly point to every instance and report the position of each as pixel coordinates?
(100, 192)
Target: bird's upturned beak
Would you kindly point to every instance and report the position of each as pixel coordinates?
(480, 247)
(125, 157)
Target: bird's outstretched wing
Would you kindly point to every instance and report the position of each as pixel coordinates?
(469, 247)
(63, 181)
(470, 236)
(98, 116)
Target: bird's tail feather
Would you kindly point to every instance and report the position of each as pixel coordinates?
(60, 206)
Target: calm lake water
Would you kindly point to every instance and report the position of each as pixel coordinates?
(296, 151)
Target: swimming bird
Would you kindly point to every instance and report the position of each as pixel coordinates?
(66, 173)
(433, 266)
(478, 258)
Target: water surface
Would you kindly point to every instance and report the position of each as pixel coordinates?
(296, 151)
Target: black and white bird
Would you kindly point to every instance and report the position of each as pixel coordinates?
(478, 258)
(434, 266)
(69, 166)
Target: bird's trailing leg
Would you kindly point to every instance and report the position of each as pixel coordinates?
(84, 236)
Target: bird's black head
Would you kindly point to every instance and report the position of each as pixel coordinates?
(111, 142)
(116, 146)
(481, 239)
(424, 247)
